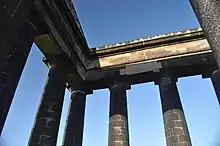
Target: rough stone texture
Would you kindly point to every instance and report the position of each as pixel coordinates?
(147, 40)
(75, 17)
(215, 78)
(153, 54)
(46, 126)
(176, 129)
(73, 134)
(12, 70)
(208, 14)
(118, 124)
(14, 13)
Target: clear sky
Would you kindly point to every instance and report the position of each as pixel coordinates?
(112, 21)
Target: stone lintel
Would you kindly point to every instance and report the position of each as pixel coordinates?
(151, 54)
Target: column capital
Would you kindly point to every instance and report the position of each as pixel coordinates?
(82, 88)
(208, 73)
(118, 84)
(167, 76)
(77, 91)
(113, 81)
(75, 85)
(60, 60)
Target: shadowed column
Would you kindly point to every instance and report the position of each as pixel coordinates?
(208, 14)
(73, 134)
(118, 124)
(215, 78)
(46, 126)
(15, 44)
(12, 69)
(214, 74)
(13, 14)
(176, 129)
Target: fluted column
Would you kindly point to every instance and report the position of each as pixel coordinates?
(12, 69)
(118, 124)
(73, 134)
(46, 126)
(176, 130)
(208, 14)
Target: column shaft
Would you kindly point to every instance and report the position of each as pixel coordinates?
(73, 134)
(46, 126)
(208, 14)
(215, 78)
(118, 124)
(176, 129)
(14, 14)
(12, 70)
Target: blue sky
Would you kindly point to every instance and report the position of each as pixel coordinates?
(112, 21)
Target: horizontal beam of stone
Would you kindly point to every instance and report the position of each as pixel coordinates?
(133, 58)
(152, 54)
(197, 64)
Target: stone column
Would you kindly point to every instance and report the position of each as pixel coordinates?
(46, 126)
(118, 124)
(215, 78)
(13, 14)
(176, 129)
(208, 14)
(12, 69)
(73, 134)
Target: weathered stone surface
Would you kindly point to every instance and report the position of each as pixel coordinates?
(176, 130)
(73, 134)
(65, 32)
(152, 54)
(146, 40)
(14, 14)
(118, 124)
(12, 70)
(46, 126)
(208, 14)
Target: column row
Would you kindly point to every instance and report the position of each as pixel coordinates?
(208, 14)
(45, 130)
